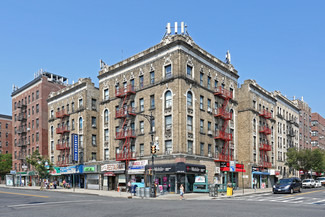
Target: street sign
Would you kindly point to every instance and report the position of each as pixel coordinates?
(75, 147)
(245, 176)
(232, 169)
(13, 172)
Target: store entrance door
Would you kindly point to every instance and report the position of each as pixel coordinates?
(172, 182)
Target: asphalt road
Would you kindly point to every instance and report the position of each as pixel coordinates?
(15, 202)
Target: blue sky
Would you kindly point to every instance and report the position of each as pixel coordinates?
(280, 44)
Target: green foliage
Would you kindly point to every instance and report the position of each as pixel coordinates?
(5, 163)
(39, 163)
(306, 159)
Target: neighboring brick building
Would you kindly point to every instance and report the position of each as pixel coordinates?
(5, 134)
(30, 122)
(304, 123)
(317, 131)
(74, 111)
(287, 132)
(256, 130)
(192, 98)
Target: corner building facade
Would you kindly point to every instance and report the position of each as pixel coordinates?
(5, 134)
(188, 99)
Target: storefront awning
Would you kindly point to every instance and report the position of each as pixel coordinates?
(109, 174)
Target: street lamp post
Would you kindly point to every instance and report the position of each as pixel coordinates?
(150, 118)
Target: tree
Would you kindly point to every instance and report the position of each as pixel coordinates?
(318, 160)
(5, 164)
(41, 164)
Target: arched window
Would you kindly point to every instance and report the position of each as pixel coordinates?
(168, 99)
(189, 98)
(80, 123)
(106, 116)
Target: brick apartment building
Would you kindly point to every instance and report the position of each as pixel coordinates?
(177, 96)
(73, 111)
(304, 123)
(30, 119)
(5, 134)
(317, 131)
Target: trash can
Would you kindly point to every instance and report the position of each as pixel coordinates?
(142, 192)
(137, 191)
(216, 190)
(212, 191)
(229, 191)
(147, 192)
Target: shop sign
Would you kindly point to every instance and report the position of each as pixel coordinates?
(13, 172)
(195, 169)
(223, 164)
(272, 172)
(113, 167)
(217, 170)
(137, 167)
(71, 170)
(199, 179)
(89, 169)
(109, 174)
(75, 147)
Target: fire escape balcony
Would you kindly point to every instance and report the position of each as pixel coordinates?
(291, 133)
(21, 157)
(61, 114)
(22, 117)
(265, 147)
(220, 112)
(223, 157)
(22, 143)
(125, 155)
(22, 106)
(61, 130)
(22, 130)
(266, 114)
(266, 164)
(223, 135)
(223, 93)
(123, 91)
(123, 112)
(62, 146)
(265, 130)
(123, 134)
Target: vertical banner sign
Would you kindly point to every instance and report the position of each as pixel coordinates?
(75, 147)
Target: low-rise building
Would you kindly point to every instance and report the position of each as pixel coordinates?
(5, 134)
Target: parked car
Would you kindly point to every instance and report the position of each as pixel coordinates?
(322, 180)
(308, 183)
(288, 185)
(318, 184)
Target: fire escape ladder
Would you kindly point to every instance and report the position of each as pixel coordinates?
(265, 145)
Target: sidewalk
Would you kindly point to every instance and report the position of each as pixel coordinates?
(189, 196)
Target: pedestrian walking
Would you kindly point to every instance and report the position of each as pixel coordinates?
(54, 184)
(181, 191)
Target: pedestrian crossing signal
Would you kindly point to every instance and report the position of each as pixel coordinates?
(153, 149)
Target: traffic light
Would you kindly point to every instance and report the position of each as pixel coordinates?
(153, 149)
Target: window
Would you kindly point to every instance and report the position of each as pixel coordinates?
(106, 135)
(168, 122)
(168, 99)
(37, 108)
(190, 123)
(52, 132)
(93, 104)
(32, 110)
(29, 99)
(37, 94)
(52, 114)
(189, 70)
(189, 99)
(106, 154)
(201, 102)
(32, 124)
(201, 78)
(106, 96)
(202, 149)
(117, 88)
(93, 122)
(37, 137)
(168, 146)
(93, 140)
(80, 103)
(254, 104)
(209, 82)
(201, 126)
(93, 156)
(209, 149)
(81, 141)
(209, 126)
(80, 123)
(52, 146)
(72, 107)
(15, 105)
(168, 71)
(152, 101)
(37, 123)
(141, 81)
(209, 104)
(106, 116)
(141, 102)
(68, 108)
(190, 147)
(141, 127)
(72, 124)
(142, 149)
(32, 96)
(152, 77)
(153, 125)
